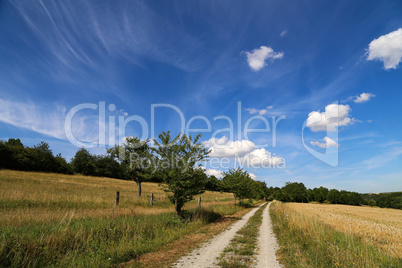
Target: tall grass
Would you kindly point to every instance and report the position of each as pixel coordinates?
(308, 242)
(29, 198)
(96, 242)
(65, 221)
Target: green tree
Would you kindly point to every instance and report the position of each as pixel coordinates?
(319, 194)
(43, 159)
(334, 196)
(178, 158)
(136, 158)
(296, 191)
(354, 199)
(61, 165)
(213, 184)
(107, 166)
(238, 182)
(282, 196)
(258, 189)
(83, 162)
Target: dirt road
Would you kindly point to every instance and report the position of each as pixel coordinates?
(206, 254)
(267, 243)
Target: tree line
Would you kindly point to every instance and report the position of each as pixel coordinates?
(384, 200)
(297, 192)
(175, 163)
(172, 161)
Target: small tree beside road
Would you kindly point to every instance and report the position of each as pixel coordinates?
(238, 182)
(177, 163)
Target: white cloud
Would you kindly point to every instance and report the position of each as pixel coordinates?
(252, 176)
(283, 33)
(214, 172)
(259, 158)
(222, 147)
(387, 48)
(363, 97)
(335, 115)
(260, 112)
(257, 57)
(50, 122)
(326, 144)
(29, 116)
(123, 112)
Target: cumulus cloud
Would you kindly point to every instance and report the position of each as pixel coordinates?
(260, 158)
(252, 176)
(363, 97)
(257, 57)
(223, 147)
(260, 112)
(387, 48)
(214, 172)
(335, 115)
(328, 142)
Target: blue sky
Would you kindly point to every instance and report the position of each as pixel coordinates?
(332, 64)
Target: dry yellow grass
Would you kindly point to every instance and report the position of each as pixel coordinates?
(377, 226)
(34, 197)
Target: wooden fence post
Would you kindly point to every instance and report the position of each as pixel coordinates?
(199, 202)
(152, 199)
(117, 198)
(116, 203)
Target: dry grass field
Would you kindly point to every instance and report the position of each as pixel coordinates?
(380, 227)
(34, 197)
(322, 235)
(66, 220)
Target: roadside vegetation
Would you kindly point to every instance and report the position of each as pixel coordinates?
(240, 252)
(52, 219)
(313, 235)
(98, 242)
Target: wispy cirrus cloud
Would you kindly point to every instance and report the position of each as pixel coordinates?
(49, 120)
(130, 31)
(260, 112)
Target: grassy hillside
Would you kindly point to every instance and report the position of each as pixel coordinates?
(322, 235)
(65, 220)
(34, 197)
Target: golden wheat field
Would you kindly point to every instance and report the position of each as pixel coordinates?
(34, 197)
(380, 227)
